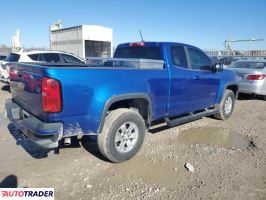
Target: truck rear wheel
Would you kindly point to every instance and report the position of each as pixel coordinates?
(122, 135)
(226, 106)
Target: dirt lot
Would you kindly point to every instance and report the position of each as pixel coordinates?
(229, 158)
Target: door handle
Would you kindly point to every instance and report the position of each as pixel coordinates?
(196, 77)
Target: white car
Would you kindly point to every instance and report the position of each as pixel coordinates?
(57, 57)
(251, 76)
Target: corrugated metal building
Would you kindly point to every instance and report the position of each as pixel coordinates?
(83, 41)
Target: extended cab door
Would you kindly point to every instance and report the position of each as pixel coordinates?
(203, 82)
(178, 76)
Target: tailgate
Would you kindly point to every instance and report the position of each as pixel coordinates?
(25, 86)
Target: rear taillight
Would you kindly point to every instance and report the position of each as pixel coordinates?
(254, 77)
(51, 95)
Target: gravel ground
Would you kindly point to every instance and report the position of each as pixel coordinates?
(229, 159)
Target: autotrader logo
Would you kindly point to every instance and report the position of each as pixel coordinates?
(27, 193)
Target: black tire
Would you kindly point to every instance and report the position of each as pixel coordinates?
(112, 129)
(264, 97)
(224, 113)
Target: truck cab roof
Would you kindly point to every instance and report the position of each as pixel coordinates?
(145, 50)
(151, 44)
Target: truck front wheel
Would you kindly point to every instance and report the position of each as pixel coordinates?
(226, 106)
(122, 135)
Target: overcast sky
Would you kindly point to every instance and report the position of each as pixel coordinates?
(204, 23)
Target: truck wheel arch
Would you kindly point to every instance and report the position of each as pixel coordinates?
(223, 87)
(233, 87)
(130, 97)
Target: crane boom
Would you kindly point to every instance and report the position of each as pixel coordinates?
(227, 44)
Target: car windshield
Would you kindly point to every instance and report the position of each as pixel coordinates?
(12, 57)
(248, 65)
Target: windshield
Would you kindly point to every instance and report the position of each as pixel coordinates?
(12, 57)
(138, 52)
(248, 65)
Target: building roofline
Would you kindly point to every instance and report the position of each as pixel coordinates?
(62, 29)
(74, 27)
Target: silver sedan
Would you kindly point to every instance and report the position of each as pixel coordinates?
(251, 76)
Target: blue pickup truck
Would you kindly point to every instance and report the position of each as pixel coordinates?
(161, 82)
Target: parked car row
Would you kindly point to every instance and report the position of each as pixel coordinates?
(228, 60)
(56, 57)
(250, 70)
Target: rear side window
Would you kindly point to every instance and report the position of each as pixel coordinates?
(199, 60)
(34, 57)
(12, 57)
(51, 57)
(178, 56)
(70, 59)
(138, 52)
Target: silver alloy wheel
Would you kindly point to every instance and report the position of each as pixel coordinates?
(228, 105)
(126, 137)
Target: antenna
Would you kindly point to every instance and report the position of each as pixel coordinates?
(141, 36)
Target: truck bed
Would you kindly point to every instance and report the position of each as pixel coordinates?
(85, 89)
(125, 63)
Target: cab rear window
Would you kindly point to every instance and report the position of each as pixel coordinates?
(138, 52)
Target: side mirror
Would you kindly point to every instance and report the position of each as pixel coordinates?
(217, 67)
